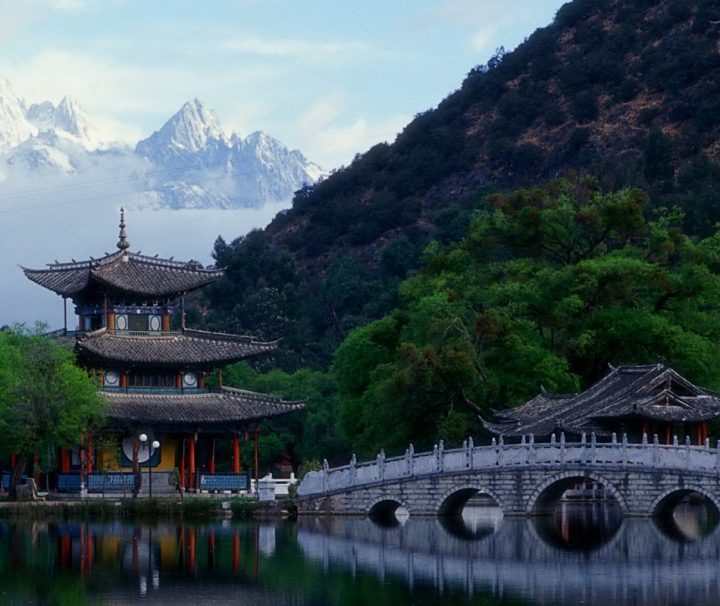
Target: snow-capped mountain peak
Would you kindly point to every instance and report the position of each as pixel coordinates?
(14, 127)
(188, 131)
(188, 163)
(68, 117)
(71, 117)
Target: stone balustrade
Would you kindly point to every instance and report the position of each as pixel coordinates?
(487, 463)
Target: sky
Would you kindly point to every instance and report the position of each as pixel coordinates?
(329, 77)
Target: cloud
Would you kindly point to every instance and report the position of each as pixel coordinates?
(327, 136)
(296, 48)
(61, 219)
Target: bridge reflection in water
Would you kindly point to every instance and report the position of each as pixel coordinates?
(585, 553)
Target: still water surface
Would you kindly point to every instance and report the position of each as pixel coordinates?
(584, 554)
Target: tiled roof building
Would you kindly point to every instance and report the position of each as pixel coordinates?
(152, 368)
(650, 399)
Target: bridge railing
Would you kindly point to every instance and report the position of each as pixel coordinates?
(498, 454)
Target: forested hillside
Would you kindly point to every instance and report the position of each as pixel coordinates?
(627, 91)
(451, 271)
(547, 287)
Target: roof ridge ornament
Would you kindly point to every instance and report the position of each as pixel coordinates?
(123, 243)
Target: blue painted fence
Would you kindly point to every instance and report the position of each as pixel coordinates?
(225, 481)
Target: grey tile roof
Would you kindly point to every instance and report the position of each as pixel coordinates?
(214, 408)
(125, 272)
(650, 393)
(186, 348)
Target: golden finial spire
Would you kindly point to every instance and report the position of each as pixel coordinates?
(123, 243)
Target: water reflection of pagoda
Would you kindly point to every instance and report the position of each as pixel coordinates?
(152, 371)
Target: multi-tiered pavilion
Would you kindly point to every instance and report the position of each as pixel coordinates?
(152, 371)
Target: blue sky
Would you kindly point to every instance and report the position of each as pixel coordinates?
(329, 77)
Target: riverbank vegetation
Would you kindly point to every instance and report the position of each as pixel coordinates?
(46, 401)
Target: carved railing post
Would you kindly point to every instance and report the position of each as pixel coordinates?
(624, 449)
(707, 443)
(532, 454)
(675, 440)
(656, 452)
(381, 465)
(717, 456)
(593, 447)
(410, 458)
(644, 438)
(553, 450)
(501, 454)
(470, 448)
(493, 443)
(353, 469)
(613, 439)
(687, 450)
(441, 456)
(562, 446)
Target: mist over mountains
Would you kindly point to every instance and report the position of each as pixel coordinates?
(190, 162)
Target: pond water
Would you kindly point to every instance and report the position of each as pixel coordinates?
(583, 554)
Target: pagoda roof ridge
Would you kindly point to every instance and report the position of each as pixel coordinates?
(626, 390)
(216, 408)
(265, 396)
(195, 332)
(126, 272)
(167, 349)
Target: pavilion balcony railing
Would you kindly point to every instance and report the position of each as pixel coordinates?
(163, 482)
(652, 454)
(160, 390)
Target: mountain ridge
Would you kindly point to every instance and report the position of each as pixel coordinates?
(190, 162)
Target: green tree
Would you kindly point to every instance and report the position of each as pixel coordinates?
(46, 401)
(547, 287)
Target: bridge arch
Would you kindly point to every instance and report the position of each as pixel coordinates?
(552, 488)
(667, 500)
(452, 502)
(383, 510)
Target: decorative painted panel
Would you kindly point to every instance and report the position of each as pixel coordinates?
(121, 322)
(111, 379)
(189, 379)
(154, 323)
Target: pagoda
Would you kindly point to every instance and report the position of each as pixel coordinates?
(152, 371)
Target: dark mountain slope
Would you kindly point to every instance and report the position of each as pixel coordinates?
(628, 91)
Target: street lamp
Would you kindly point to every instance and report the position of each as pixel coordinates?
(138, 478)
(155, 444)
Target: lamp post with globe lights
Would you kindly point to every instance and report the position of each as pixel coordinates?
(138, 474)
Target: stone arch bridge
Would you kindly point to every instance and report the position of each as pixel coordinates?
(523, 479)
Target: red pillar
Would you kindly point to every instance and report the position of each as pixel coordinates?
(90, 457)
(236, 454)
(182, 465)
(191, 461)
(64, 460)
(257, 465)
(212, 455)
